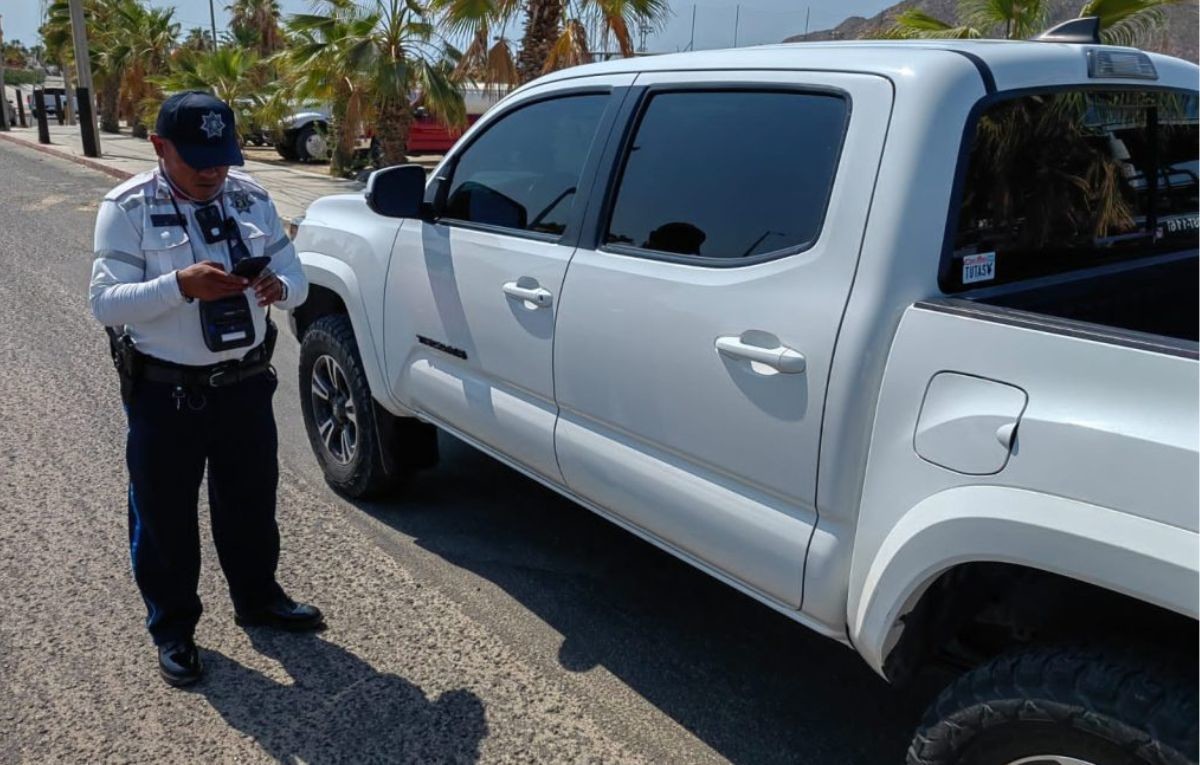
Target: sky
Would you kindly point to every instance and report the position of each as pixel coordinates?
(716, 21)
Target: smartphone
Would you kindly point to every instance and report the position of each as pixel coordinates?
(250, 268)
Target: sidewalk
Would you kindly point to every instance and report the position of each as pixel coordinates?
(123, 156)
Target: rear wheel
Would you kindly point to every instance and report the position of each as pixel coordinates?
(311, 144)
(1067, 706)
(286, 147)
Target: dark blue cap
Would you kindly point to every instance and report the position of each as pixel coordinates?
(201, 127)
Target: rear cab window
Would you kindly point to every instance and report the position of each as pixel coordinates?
(1067, 180)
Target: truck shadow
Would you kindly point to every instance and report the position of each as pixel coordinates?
(338, 708)
(747, 681)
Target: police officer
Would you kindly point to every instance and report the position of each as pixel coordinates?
(174, 279)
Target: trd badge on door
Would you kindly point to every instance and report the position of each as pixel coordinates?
(450, 349)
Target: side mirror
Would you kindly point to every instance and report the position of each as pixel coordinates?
(397, 192)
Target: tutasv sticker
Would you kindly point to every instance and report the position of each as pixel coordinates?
(979, 268)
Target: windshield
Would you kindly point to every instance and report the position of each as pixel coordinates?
(1073, 179)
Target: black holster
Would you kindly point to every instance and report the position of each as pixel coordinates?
(269, 338)
(125, 358)
(130, 364)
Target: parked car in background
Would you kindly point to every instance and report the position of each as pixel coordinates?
(305, 133)
(55, 99)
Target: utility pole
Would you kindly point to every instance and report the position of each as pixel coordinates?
(83, 88)
(3, 90)
(644, 30)
(807, 13)
(737, 17)
(692, 41)
(212, 18)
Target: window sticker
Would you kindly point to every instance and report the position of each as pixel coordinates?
(979, 268)
(1178, 224)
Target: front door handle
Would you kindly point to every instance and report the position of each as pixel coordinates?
(538, 296)
(780, 358)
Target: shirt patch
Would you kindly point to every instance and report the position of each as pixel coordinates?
(241, 200)
(166, 221)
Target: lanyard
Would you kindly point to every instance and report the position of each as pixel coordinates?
(218, 199)
(184, 225)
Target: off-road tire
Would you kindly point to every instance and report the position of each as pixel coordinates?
(366, 474)
(286, 147)
(1105, 707)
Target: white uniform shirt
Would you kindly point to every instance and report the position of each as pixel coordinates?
(140, 244)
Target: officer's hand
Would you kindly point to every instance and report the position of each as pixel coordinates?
(268, 288)
(208, 280)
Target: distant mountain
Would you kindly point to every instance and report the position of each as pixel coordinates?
(1180, 37)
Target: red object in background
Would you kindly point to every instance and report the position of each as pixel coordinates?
(428, 136)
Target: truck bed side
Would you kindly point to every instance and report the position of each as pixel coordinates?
(1022, 438)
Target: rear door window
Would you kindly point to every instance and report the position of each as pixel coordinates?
(726, 177)
(1066, 180)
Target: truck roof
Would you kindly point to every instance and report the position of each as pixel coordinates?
(1002, 64)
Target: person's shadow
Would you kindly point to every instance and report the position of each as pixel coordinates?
(338, 708)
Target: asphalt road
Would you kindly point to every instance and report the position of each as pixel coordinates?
(475, 617)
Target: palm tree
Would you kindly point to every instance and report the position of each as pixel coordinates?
(261, 18)
(369, 63)
(543, 22)
(15, 55)
(198, 39)
(320, 67)
(1128, 22)
(143, 45)
(227, 73)
(101, 18)
(1122, 22)
(56, 36)
(915, 23)
(557, 33)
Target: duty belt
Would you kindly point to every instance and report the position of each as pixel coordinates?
(219, 375)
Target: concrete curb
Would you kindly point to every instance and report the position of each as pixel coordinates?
(85, 161)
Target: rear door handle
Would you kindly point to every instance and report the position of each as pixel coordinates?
(539, 296)
(781, 358)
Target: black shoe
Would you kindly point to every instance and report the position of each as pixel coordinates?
(284, 614)
(179, 662)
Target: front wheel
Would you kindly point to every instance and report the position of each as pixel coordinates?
(339, 411)
(1066, 706)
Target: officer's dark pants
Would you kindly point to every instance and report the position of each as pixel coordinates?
(170, 441)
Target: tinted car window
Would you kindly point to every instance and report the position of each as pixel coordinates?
(522, 173)
(729, 174)
(1072, 179)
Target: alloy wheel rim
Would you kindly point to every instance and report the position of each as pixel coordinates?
(334, 412)
(315, 145)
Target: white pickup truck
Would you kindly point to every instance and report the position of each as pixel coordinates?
(899, 338)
